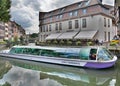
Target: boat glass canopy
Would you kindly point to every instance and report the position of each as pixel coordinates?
(104, 54)
(85, 53)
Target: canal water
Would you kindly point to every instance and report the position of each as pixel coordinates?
(16, 72)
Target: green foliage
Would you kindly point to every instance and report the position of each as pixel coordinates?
(55, 42)
(6, 84)
(34, 35)
(69, 42)
(78, 43)
(5, 10)
(15, 38)
(62, 42)
(21, 38)
(113, 44)
(2, 42)
(89, 43)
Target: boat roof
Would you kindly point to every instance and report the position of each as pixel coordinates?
(54, 48)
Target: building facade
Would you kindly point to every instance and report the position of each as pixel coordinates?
(88, 19)
(10, 30)
(117, 15)
(2, 31)
(15, 30)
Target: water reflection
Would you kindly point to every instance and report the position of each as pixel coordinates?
(27, 73)
(18, 76)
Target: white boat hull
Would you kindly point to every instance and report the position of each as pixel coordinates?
(63, 61)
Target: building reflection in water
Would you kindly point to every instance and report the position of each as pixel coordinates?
(27, 73)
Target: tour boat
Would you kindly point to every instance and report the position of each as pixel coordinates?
(89, 57)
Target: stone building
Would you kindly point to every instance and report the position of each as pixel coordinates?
(88, 19)
(2, 31)
(10, 30)
(117, 15)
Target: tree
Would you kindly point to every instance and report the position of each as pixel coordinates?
(15, 38)
(34, 35)
(5, 10)
(6, 84)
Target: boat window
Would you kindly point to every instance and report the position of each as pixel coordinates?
(93, 54)
(15, 50)
(84, 53)
(12, 50)
(30, 51)
(34, 51)
(25, 51)
(72, 53)
(50, 53)
(104, 54)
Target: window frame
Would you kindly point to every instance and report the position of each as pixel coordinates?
(84, 23)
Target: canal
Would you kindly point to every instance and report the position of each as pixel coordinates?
(27, 73)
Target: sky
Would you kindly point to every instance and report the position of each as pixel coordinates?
(25, 12)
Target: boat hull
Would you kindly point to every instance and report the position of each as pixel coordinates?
(63, 61)
(100, 64)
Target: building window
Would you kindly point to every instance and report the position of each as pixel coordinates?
(63, 9)
(49, 27)
(75, 13)
(61, 16)
(70, 24)
(105, 36)
(76, 24)
(7, 35)
(84, 11)
(57, 17)
(40, 29)
(84, 25)
(105, 22)
(60, 26)
(46, 28)
(70, 14)
(108, 22)
(43, 29)
(87, 3)
(44, 20)
(108, 36)
(79, 5)
(56, 27)
(50, 19)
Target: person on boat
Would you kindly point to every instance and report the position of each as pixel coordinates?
(93, 56)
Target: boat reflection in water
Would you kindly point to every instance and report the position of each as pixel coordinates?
(24, 73)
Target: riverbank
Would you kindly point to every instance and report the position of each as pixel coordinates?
(2, 46)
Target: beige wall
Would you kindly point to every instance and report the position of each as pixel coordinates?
(95, 22)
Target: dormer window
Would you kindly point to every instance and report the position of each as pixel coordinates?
(63, 9)
(79, 5)
(87, 3)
